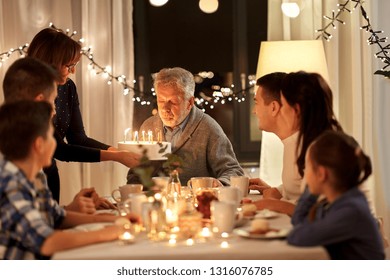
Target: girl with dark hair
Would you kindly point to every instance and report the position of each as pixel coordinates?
(62, 52)
(335, 166)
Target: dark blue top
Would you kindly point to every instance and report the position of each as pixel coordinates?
(345, 227)
(69, 124)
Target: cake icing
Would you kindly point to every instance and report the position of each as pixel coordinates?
(153, 149)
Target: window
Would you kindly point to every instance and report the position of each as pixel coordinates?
(226, 42)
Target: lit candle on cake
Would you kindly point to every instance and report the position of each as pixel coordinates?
(135, 139)
(159, 137)
(145, 142)
(126, 132)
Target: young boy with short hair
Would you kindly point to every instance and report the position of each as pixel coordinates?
(29, 216)
(31, 79)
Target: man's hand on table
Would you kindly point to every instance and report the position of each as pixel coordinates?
(82, 202)
(88, 201)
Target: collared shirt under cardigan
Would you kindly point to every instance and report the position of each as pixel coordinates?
(29, 214)
(204, 147)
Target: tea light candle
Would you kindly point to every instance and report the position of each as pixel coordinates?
(205, 232)
(157, 196)
(224, 244)
(171, 217)
(126, 237)
(175, 229)
(172, 241)
(190, 242)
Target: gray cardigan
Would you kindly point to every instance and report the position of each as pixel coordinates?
(204, 147)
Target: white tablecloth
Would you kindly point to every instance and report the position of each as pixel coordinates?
(239, 248)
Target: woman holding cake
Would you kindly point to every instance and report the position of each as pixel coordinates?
(63, 53)
(335, 167)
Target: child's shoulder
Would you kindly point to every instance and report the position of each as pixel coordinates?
(356, 201)
(10, 177)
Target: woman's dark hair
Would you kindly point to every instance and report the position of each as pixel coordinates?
(314, 97)
(271, 83)
(54, 47)
(341, 154)
(21, 122)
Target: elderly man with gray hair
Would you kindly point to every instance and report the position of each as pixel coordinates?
(195, 137)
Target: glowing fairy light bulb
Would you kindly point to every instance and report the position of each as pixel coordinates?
(158, 3)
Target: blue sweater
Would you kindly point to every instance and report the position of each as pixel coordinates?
(346, 227)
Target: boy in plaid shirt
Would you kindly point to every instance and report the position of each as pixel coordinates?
(29, 216)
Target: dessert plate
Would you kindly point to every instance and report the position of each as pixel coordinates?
(92, 226)
(272, 234)
(265, 214)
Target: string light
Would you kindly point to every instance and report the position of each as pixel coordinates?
(374, 38)
(383, 53)
(221, 95)
(21, 50)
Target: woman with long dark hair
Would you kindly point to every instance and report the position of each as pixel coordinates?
(297, 107)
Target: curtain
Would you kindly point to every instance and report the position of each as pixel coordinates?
(359, 96)
(106, 25)
(381, 116)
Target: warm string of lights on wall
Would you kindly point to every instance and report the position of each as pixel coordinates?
(374, 38)
(96, 68)
(220, 95)
(21, 50)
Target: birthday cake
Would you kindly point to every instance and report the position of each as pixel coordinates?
(154, 150)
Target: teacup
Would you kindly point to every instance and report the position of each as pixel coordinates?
(199, 183)
(137, 199)
(230, 194)
(223, 215)
(122, 193)
(242, 183)
(124, 207)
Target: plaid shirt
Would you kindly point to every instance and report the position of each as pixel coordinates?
(28, 213)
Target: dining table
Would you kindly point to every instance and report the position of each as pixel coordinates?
(232, 246)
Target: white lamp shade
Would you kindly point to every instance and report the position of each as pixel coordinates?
(285, 56)
(292, 56)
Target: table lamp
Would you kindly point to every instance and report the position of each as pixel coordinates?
(285, 56)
